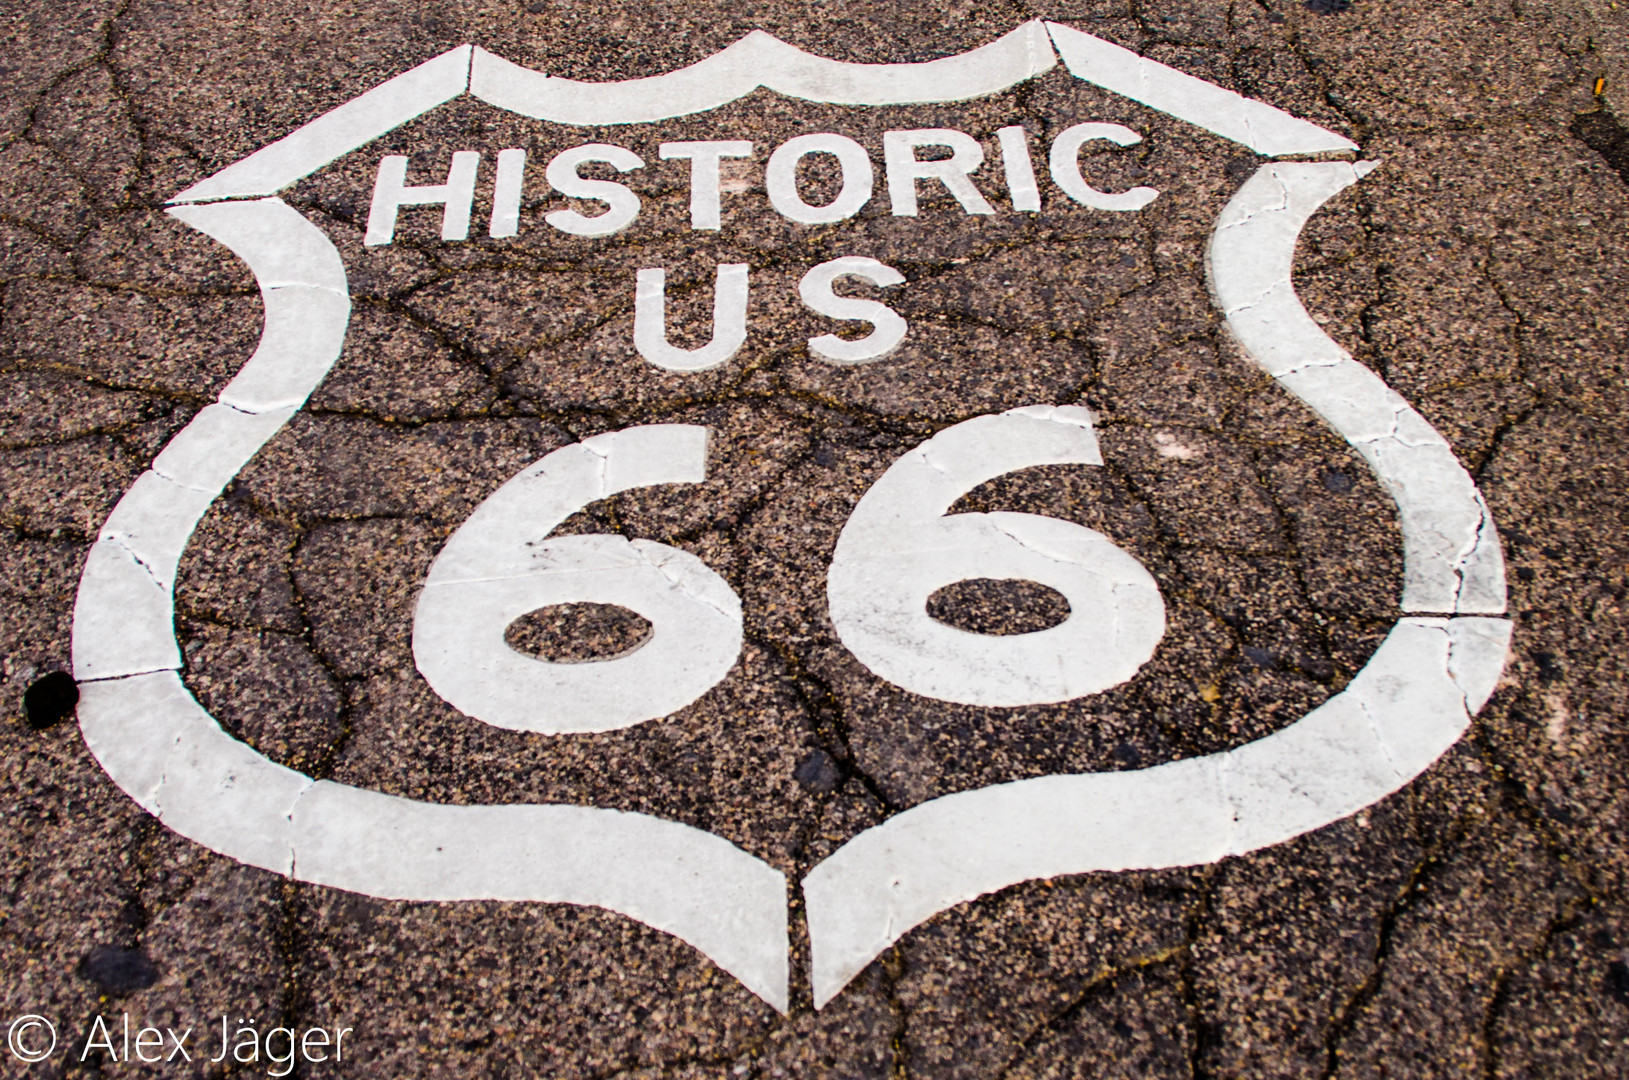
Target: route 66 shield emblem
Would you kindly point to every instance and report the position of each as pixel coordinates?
(910, 530)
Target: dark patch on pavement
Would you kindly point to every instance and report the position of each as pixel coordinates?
(1548, 670)
(1450, 930)
(818, 773)
(1260, 657)
(50, 699)
(1617, 981)
(1329, 7)
(1605, 134)
(119, 970)
(1338, 481)
(1128, 755)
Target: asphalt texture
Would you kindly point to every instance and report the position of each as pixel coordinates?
(1476, 924)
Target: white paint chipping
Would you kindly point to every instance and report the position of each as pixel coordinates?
(1453, 562)
(1268, 131)
(760, 59)
(888, 327)
(1478, 650)
(955, 172)
(500, 565)
(1401, 712)
(123, 622)
(339, 131)
(781, 178)
(153, 522)
(900, 546)
(730, 294)
(1065, 164)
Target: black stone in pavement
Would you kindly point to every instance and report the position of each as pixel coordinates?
(49, 699)
(118, 970)
(1606, 135)
(818, 772)
(1471, 925)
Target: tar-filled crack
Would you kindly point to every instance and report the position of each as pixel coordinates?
(1538, 399)
(117, 431)
(57, 535)
(1100, 985)
(1180, 735)
(824, 713)
(1385, 288)
(1511, 793)
(1569, 916)
(1468, 550)
(322, 764)
(174, 396)
(508, 399)
(1525, 804)
(102, 58)
(827, 719)
(895, 966)
(822, 707)
(1360, 123)
(293, 1000)
(1330, 676)
(1202, 1033)
(1347, 1013)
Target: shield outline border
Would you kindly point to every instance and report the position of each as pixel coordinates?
(1403, 710)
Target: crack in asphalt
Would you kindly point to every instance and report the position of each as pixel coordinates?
(822, 707)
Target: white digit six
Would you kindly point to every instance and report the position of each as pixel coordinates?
(898, 548)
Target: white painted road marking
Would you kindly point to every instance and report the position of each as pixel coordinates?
(729, 320)
(1399, 714)
(761, 59)
(900, 546)
(498, 566)
(888, 329)
(1452, 560)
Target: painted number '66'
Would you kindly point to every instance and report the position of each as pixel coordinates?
(898, 548)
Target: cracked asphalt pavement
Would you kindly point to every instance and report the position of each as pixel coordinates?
(1475, 924)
